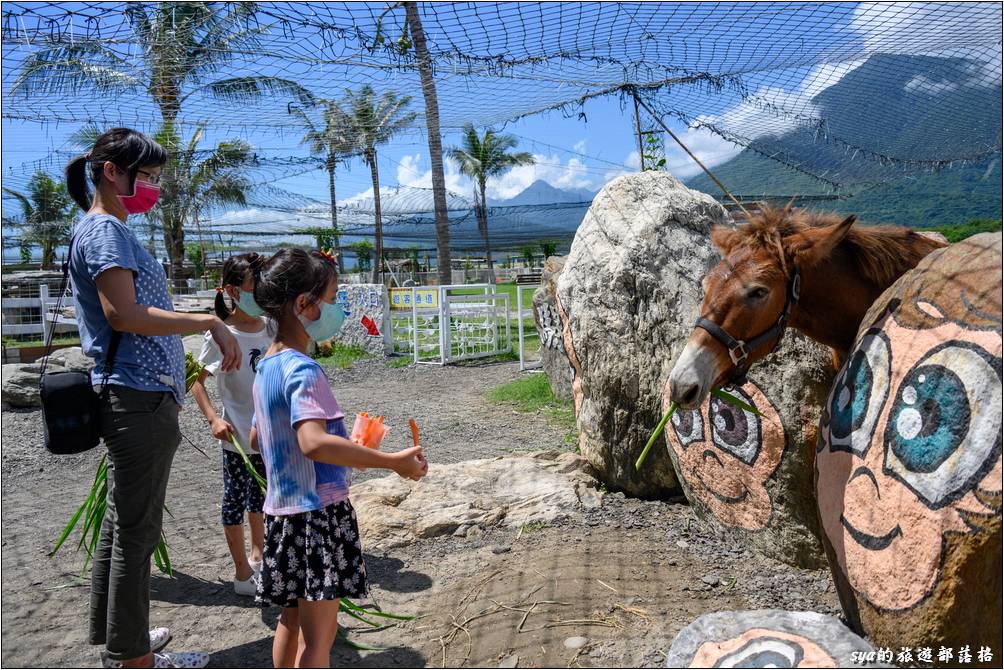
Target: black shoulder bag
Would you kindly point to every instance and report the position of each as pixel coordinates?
(70, 406)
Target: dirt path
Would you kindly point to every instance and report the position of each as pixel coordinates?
(628, 579)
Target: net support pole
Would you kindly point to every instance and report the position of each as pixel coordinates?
(637, 127)
(690, 153)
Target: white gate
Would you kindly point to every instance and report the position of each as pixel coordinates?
(446, 324)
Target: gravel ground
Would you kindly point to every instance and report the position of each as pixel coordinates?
(627, 579)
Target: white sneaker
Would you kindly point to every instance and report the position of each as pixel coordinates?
(168, 659)
(159, 637)
(246, 587)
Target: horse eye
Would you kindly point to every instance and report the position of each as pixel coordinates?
(758, 293)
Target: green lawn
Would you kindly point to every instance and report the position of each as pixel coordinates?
(533, 395)
(61, 340)
(341, 355)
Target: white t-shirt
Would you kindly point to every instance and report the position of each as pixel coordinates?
(235, 386)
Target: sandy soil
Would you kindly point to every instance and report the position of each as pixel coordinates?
(627, 579)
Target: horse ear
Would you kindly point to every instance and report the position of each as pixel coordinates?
(812, 245)
(724, 238)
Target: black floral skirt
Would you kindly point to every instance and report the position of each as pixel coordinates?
(312, 555)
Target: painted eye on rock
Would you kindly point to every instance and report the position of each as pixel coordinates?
(859, 395)
(688, 426)
(735, 430)
(943, 431)
(766, 652)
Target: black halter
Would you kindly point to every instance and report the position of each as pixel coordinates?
(739, 351)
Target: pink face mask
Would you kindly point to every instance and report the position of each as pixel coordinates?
(143, 198)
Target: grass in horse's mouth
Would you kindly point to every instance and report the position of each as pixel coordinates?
(718, 393)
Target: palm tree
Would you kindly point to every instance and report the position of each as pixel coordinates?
(372, 121)
(435, 141)
(482, 157)
(183, 45)
(202, 181)
(333, 142)
(46, 213)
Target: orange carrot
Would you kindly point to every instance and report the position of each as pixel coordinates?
(414, 432)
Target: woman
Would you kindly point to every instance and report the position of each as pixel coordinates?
(120, 289)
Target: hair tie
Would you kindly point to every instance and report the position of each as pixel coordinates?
(219, 289)
(329, 254)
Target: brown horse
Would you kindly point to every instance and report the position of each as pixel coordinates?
(815, 272)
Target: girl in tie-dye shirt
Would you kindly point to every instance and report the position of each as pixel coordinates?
(312, 554)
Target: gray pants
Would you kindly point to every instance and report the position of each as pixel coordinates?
(140, 429)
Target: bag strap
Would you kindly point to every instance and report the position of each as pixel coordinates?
(116, 335)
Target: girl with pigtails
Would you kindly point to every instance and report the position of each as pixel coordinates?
(241, 493)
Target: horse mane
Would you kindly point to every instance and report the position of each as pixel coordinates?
(882, 253)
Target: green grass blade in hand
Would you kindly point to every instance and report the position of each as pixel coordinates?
(655, 435)
(734, 401)
(262, 484)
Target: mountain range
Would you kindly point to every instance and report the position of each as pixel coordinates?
(880, 106)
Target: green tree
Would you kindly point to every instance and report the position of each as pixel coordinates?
(549, 248)
(332, 141)
(183, 46)
(201, 181)
(528, 252)
(481, 157)
(46, 213)
(372, 121)
(364, 253)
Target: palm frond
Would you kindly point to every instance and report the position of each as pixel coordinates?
(50, 73)
(244, 89)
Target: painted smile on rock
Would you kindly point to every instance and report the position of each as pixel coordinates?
(709, 454)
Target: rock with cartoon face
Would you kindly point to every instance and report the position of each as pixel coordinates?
(908, 469)
(770, 639)
(748, 474)
(553, 358)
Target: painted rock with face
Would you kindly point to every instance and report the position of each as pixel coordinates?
(748, 475)
(555, 361)
(908, 467)
(770, 639)
(627, 299)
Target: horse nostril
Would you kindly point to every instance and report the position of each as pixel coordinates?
(689, 394)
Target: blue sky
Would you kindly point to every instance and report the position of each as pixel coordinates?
(584, 152)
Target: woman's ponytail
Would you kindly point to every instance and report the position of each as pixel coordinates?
(220, 306)
(76, 182)
(128, 149)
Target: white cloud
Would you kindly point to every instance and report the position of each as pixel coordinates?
(927, 27)
(968, 30)
(924, 84)
(579, 147)
(572, 174)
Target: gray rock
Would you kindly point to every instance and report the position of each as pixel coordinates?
(511, 661)
(511, 491)
(557, 367)
(712, 579)
(792, 639)
(20, 383)
(71, 358)
(501, 549)
(576, 642)
(627, 298)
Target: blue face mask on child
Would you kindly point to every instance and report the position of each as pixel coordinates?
(248, 304)
(327, 325)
